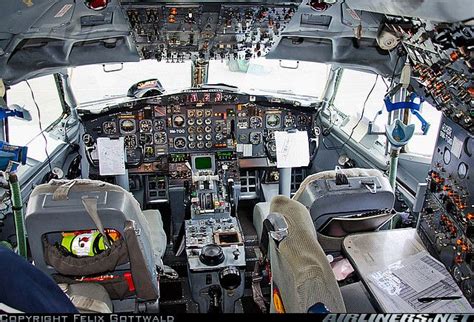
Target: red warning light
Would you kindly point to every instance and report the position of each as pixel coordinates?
(96, 4)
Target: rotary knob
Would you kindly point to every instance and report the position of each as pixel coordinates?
(229, 278)
(211, 255)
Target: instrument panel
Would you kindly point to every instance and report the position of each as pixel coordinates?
(443, 63)
(161, 133)
(177, 32)
(447, 219)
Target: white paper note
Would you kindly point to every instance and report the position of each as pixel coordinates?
(111, 156)
(395, 287)
(419, 275)
(292, 149)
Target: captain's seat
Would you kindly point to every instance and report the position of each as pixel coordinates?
(128, 267)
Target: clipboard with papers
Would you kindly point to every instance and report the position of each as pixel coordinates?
(418, 283)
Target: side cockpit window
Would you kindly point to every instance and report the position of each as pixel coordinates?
(424, 144)
(359, 101)
(40, 96)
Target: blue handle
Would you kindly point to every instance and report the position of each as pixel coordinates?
(414, 109)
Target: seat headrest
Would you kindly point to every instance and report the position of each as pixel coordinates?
(295, 214)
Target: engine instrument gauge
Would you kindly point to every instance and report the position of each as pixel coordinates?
(219, 136)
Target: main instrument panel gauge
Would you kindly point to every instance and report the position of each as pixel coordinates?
(462, 170)
(255, 138)
(208, 121)
(255, 122)
(209, 144)
(219, 136)
(289, 121)
(243, 123)
(271, 135)
(109, 127)
(190, 121)
(149, 152)
(145, 138)
(208, 129)
(243, 138)
(199, 129)
(88, 140)
(127, 126)
(207, 113)
(208, 137)
(179, 143)
(145, 126)
(273, 120)
(199, 121)
(130, 141)
(178, 121)
(160, 138)
(199, 137)
(192, 145)
(191, 129)
(200, 145)
(302, 120)
(271, 146)
(199, 113)
(159, 124)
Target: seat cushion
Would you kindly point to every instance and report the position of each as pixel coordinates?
(158, 235)
(89, 297)
(260, 213)
(356, 299)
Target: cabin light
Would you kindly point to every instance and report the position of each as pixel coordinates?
(96, 4)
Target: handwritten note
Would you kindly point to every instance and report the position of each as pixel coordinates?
(111, 156)
(292, 149)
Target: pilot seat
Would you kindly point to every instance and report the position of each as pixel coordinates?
(340, 202)
(67, 220)
(302, 278)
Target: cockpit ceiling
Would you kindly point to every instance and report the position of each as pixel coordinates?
(44, 36)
